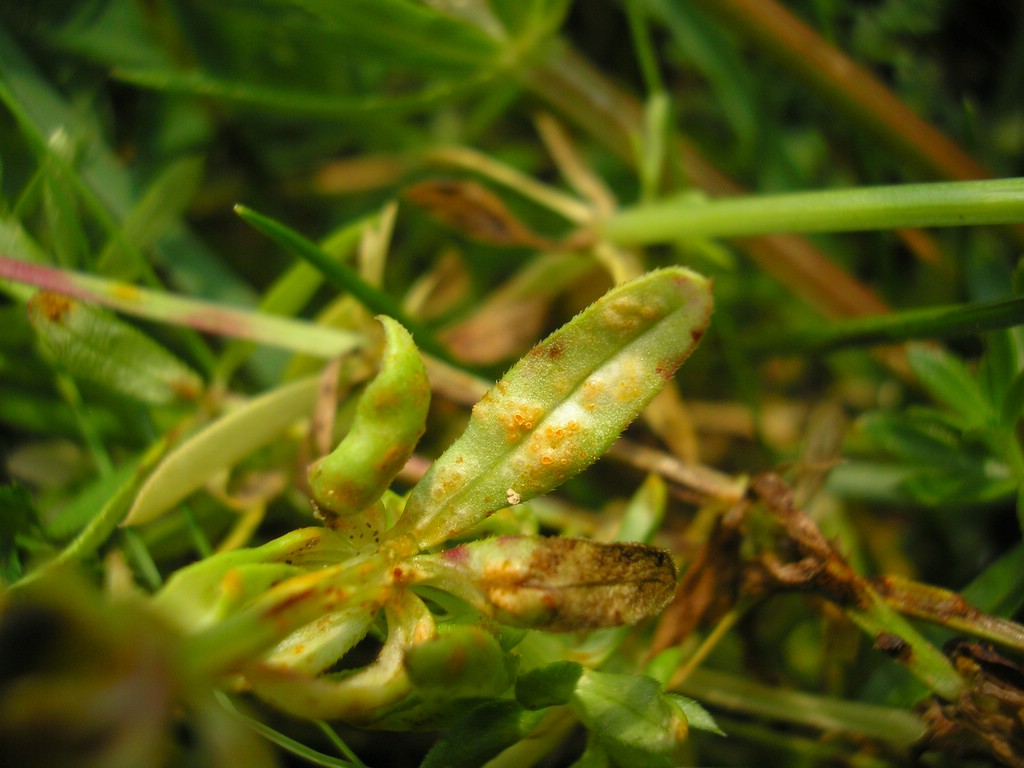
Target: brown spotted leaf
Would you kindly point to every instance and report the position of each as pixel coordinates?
(556, 584)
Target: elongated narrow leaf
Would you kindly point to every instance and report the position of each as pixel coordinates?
(220, 445)
(948, 381)
(562, 405)
(94, 345)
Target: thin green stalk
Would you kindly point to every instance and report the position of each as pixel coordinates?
(199, 538)
(642, 46)
(553, 730)
(284, 742)
(105, 522)
(307, 103)
(137, 552)
(343, 277)
(742, 695)
(165, 307)
(800, 748)
(292, 290)
(69, 391)
(339, 744)
(945, 204)
(690, 665)
(929, 323)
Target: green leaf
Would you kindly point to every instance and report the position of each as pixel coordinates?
(153, 216)
(645, 511)
(220, 445)
(562, 405)
(999, 366)
(999, 589)
(947, 380)
(557, 584)
(481, 735)
(18, 518)
(462, 661)
(922, 438)
(80, 509)
(340, 275)
(194, 596)
(1013, 401)
(940, 322)
(594, 756)
(390, 417)
(548, 686)
(696, 716)
(63, 222)
(410, 32)
(93, 345)
(633, 720)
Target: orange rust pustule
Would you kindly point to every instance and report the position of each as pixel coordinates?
(284, 605)
(185, 390)
(54, 307)
(551, 350)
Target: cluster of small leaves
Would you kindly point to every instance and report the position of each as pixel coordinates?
(130, 131)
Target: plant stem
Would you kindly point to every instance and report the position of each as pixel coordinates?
(164, 307)
(928, 323)
(586, 97)
(944, 204)
(741, 694)
(551, 731)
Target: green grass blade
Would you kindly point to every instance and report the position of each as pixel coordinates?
(945, 204)
(342, 277)
(164, 307)
(947, 322)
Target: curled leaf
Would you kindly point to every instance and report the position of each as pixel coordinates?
(94, 345)
(388, 422)
(462, 660)
(562, 405)
(363, 696)
(556, 584)
(548, 686)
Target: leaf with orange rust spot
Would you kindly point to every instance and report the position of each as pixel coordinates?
(561, 407)
(92, 344)
(389, 419)
(556, 584)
